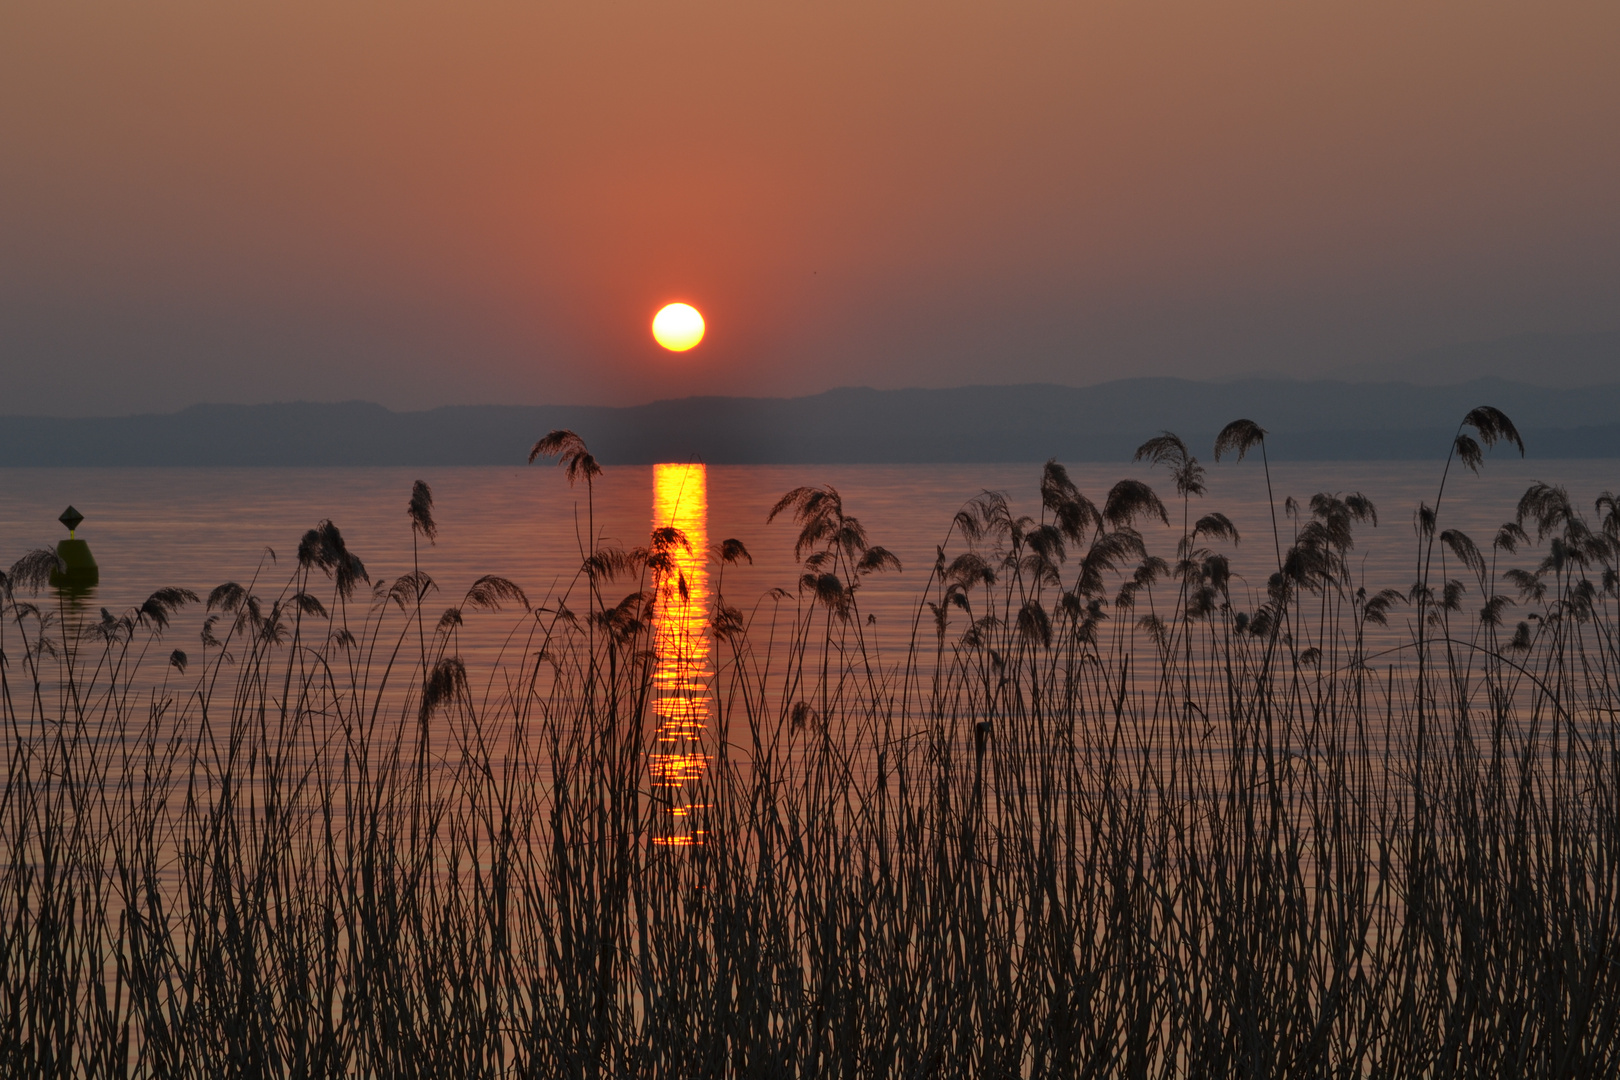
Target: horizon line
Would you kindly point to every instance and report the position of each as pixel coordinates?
(1223, 381)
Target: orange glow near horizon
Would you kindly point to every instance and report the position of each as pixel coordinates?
(678, 327)
(681, 644)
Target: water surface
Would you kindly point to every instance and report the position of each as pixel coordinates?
(199, 527)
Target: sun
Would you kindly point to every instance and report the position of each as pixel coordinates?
(678, 327)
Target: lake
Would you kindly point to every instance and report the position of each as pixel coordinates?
(1069, 850)
(199, 527)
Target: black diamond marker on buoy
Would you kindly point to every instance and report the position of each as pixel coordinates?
(76, 570)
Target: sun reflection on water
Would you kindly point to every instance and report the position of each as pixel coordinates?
(681, 643)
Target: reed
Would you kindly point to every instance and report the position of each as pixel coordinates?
(1108, 815)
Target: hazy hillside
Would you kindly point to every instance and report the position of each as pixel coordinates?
(1308, 420)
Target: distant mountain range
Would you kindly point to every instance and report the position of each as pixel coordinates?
(1308, 420)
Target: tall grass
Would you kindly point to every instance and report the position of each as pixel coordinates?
(1109, 815)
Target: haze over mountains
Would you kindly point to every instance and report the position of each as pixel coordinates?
(1563, 360)
(1320, 420)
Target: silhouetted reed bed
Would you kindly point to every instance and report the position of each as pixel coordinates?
(1111, 814)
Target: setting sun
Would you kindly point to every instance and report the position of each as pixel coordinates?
(678, 327)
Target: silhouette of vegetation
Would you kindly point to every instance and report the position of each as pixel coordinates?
(1112, 813)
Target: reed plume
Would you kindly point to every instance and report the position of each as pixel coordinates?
(571, 453)
(420, 510)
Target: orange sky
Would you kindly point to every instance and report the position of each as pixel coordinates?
(421, 203)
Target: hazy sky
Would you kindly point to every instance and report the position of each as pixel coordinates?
(424, 204)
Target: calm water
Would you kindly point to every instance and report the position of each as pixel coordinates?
(199, 527)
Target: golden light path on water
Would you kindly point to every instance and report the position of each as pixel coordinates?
(681, 644)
